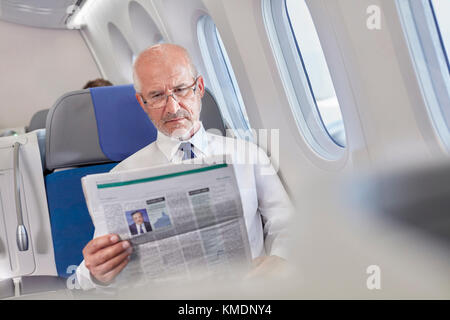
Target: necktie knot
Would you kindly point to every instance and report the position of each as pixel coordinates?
(187, 149)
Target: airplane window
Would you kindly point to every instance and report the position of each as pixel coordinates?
(427, 30)
(314, 62)
(305, 75)
(222, 79)
(441, 10)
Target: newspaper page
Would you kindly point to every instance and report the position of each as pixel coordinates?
(184, 221)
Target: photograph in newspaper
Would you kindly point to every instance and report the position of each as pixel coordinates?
(185, 221)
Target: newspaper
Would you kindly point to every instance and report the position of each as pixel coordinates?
(190, 221)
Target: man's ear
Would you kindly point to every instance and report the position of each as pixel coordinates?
(141, 102)
(201, 86)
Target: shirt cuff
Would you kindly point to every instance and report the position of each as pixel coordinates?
(87, 282)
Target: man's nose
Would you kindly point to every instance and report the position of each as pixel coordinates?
(172, 105)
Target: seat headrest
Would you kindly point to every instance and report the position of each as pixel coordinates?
(38, 120)
(123, 127)
(96, 125)
(71, 132)
(210, 115)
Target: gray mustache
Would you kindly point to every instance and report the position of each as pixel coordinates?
(179, 114)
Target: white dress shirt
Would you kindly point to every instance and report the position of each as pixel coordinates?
(265, 202)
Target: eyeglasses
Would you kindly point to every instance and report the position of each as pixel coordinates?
(159, 99)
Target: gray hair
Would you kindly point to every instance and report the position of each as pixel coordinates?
(159, 46)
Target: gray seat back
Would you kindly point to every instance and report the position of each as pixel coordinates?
(72, 136)
(211, 115)
(38, 120)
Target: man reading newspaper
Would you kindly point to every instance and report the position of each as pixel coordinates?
(170, 90)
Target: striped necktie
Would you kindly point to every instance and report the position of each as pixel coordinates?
(186, 148)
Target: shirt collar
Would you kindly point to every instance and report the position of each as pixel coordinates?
(169, 146)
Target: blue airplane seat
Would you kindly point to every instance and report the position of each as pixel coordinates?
(87, 132)
(123, 127)
(72, 227)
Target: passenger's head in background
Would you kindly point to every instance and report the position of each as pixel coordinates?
(97, 83)
(169, 89)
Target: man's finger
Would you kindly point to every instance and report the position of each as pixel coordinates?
(109, 253)
(108, 277)
(110, 264)
(99, 243)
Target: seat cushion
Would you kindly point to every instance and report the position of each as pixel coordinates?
(71, 223)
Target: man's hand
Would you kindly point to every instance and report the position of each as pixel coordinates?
(106, 256)
(272, 266)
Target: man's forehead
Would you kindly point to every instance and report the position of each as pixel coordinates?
(163, 59)
(154, 80)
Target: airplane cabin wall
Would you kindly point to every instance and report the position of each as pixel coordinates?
(116, 37)
(392, 112)
(38, 66)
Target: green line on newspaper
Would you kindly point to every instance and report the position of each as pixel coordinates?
(165, 176)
